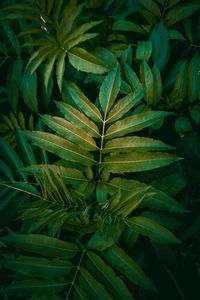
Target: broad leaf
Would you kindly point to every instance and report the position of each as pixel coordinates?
(137, 161)
(117, 258)
(41, 244)
(134, 123)
(151, 229)
(105, 274)
(61, 147)
(84, 61)
(109, 90)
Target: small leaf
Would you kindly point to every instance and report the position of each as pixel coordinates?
(132, 77)
(123, 25)
(60, 69)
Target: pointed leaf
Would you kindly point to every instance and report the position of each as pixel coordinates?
(85, 61)
(60, 147)
(83, 102)
(41, 244)
(124, 105)
(160, 41)
(117, 258)
(151, 229)
(105, 274)
(109, 90)
(70, 132)
(60, 69)
(28, 89)
(135, 143)
(137, 161)
(93, 288)
(148, 82)
(134, 123)
(78, 119)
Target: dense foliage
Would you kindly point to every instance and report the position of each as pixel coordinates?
(100, 115)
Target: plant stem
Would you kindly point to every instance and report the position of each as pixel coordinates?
(75, 275)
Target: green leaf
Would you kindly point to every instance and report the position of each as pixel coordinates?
(60, 147)
(157, 85)
(147, 81)
(28, 89)
(69, 175)
(134, 123)
(132, 77)
(151, 229)
(35, 287)
(117, 258)
(160, 41)
(36, 266)
(123, 25)
(135, 143)
(22, 187)
(105, 274)
(83, 102)
(11, 157)
(49, 66)
(100, 241)
(13, 83)
(144, 50)
(84, 61)
(79, 294)
(92, 287)
(137, 161)
(193, 78)
(124, 105)
(70, 132)
(151, 6)
(78, 119)
(109, 90)
(171, 184)
(60, 69)
(180, 12)
(41, 244)
(25, 149)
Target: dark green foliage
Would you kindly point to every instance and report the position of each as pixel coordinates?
(99, 145)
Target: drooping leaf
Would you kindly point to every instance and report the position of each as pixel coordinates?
(117, 258)
(105, 274)
(41, 244)
(36, 287)
(93, 288)
(36, 266)
(151, 229)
